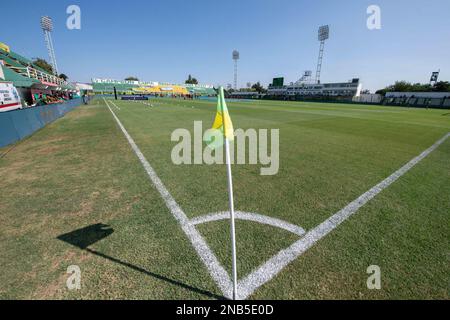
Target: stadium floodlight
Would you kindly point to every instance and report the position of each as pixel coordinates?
(434, 77)
(323, 34)
(46, 23)
(47, 27)
(235, 58)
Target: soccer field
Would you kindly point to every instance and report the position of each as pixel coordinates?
(75, 193)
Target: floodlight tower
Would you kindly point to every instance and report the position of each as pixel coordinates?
(306, 77)
(324, 34)
(235, 58)
(47, 27)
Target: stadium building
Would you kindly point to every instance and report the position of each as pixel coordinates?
(106, 86)
(348, 89)
(35, 85)
(306, 87)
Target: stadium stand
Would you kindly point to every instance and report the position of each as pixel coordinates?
(106, 86)
(163, 90)
(412, 101)
(31, 97)
(32, 81)
(446, 103)
(298, 91)
(244, 95)
(418, 99)
(368, 98)
(201, 90)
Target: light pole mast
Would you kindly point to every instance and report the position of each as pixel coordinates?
(47, 27)
(324, 34)
(235, 58)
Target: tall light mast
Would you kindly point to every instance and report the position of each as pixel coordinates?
(324, 34)
(47, 27)
(235, 58)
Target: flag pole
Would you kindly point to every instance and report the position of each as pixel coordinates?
(230, 199)
(231, 204)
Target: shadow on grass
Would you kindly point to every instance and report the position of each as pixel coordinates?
(84, 237)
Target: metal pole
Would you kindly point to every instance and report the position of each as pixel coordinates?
(231, 205)
(53, 56)
(230, 198)
(235, 74)
(319, 61)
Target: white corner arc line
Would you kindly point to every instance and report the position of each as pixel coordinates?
(217, 272)
(274, 265)
(249, 216)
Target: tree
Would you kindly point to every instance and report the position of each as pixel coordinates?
(63, 76)
(131, 79)
(246, 90)
(227, 91)
(403, 86)
(191, 80)
(43, 64)
(442, 86)
(259, 88)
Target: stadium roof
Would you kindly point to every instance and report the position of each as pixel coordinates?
(17, 79)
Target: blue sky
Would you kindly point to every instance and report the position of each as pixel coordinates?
(167, 40)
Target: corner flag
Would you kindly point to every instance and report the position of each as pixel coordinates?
(223, 123)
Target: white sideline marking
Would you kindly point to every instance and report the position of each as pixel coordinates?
(224, 215)
(275, 264)
(278, 262)
(218, 273)
(113, 104)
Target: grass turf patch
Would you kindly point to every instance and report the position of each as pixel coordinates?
(80, 171)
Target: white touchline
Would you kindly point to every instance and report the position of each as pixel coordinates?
(279, 261)
(275, 264)
(218, 273)
(114, 104)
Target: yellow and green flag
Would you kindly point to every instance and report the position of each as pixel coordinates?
(222, 127)
(222, 121)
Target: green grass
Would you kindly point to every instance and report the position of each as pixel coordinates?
(80, 171)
